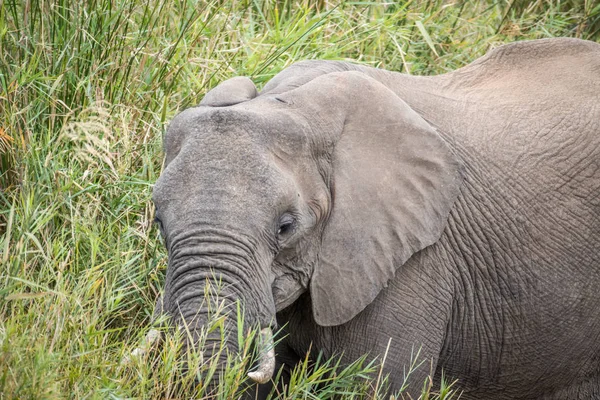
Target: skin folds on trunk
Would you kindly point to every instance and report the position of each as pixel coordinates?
(208, 280)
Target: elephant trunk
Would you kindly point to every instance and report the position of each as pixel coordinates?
(207, 280)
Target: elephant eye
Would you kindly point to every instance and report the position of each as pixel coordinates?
(286, 225)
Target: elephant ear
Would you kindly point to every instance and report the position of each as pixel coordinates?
(232, 91)
(393, 182)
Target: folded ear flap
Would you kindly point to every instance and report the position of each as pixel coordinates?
(303, 72)
(393, 182)
(232, 91)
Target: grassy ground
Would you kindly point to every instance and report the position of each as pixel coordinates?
(86, 89)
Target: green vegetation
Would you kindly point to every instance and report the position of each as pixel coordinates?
(86, 89)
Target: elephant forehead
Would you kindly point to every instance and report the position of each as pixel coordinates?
(206, 127)
(227, 157)
(224, 163)
(261, 121)
(222, 172)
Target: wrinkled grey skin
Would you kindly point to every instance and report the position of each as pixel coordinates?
(459, 212)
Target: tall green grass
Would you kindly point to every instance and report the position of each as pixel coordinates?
(86, 88)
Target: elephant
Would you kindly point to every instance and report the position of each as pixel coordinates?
(365, 211)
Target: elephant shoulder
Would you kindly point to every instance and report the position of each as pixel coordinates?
(524, 53)
(558, 53)
(533, 70)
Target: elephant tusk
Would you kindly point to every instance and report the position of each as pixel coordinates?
(266, 364)
(151, 338)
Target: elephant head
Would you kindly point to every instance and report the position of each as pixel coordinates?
(324, 183)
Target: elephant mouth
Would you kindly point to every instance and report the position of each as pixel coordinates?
(286, 290)
(288, 285)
